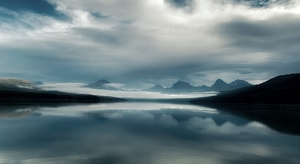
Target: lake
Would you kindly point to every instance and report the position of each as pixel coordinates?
(139, 133)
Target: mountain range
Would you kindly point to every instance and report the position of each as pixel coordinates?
(284, 89)
(219, 85)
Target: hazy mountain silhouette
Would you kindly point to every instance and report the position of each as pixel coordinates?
(101, 84)
(284, 89)
(182, 86)
(219, 85)
(38, 83)
(157, 88)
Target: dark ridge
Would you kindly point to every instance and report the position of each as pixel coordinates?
(239, 84)
(10, 93)
(284, 89)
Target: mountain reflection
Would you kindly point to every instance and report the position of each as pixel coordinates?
(150, 133)
(282, 118)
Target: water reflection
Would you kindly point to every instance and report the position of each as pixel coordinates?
(282, 118)
(150, 133)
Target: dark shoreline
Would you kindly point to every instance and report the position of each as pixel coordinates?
(39, 96)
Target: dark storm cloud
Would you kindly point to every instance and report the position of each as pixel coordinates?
(263, 3)
(279, 37)
(160, 71)
(36, 6)
(245, 72)
(47, 68)
(99, 15)
(273, 34)
(180, 3)
(254, 3)
(253, 159)
(112, 158)
(108, 37)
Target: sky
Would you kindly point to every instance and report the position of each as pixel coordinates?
(141, 43)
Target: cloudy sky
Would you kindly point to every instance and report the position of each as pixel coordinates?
(144, 42)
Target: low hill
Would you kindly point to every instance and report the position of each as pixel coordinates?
(16, 82)
(34, 96)
(284, 89)
(10, 92)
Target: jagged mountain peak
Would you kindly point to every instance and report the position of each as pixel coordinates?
(181, 85)
(157, 87)
(181, 82)
(102, 81)
(219, 83)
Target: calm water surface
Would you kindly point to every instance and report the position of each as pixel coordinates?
(139, 133)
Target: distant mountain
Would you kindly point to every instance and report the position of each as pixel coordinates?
(102, 84)
(239, 84)
(157, 88)
(181, 85)
(16, 82)
(203, 88)
(38, 83)
(284, 89)
(219, 85)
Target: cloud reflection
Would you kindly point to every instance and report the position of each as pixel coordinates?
(112, 134)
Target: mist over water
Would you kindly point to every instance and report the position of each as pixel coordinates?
(129, 133)
(142, 94)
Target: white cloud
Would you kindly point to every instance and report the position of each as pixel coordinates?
(168, 120)
(115, 85)
(146, 40)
